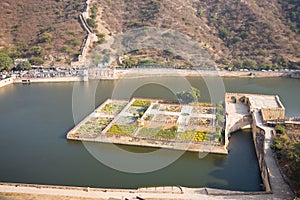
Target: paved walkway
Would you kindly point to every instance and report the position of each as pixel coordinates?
(280, 188)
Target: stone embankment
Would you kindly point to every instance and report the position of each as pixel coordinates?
(50, 80)
(6, 82)
(9, 81)
(239, 106)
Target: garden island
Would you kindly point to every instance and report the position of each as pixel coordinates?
(155, 123)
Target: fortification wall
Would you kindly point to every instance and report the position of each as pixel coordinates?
(258, 135)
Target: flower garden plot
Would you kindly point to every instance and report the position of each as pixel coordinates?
(126, 120)
(149, 132)
(148, 117)
(125, 130)
(93, 127)
(158, 133)
(197, 121)
(194, 136)
(113, 108)
(167, 119)
(136, 110)
(203, 110)
(170, 108)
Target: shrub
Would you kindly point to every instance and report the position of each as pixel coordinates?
(46, 37)
(224, 33)
(36, 60)
(36, 50)
(280, 129)
(73, 42)
(91, 22)
(25, 65)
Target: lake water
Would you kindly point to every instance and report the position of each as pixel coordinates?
(34, 120)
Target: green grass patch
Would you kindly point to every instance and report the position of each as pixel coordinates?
(159, 133)
(141, 103)
(121, 130)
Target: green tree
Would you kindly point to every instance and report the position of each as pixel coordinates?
(36, 61)
(189, 96)
(24, 65)
(280, 129)
(6, 62)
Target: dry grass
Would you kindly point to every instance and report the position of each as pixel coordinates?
(258, 30)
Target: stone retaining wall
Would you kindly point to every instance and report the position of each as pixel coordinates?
(6, 82)
(49, 80)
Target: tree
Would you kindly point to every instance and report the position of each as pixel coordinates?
(280, 129)
(6, 63)
(189, 96)
(36, 61)
(24, 65)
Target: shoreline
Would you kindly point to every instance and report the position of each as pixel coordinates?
(141, 73)
(137, 73)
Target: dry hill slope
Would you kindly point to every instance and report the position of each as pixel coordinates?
(236, 33)
(42, 28)
(239, 33)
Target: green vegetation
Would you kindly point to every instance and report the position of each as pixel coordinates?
(280, 129)
(46, 37)
(74, 42)
(159, 133)
(94, 11)
(66, 49)
(193, 135)
(112, 108)
(121, 130)
(220, 120)
(189, 96)
(286, 145)
(37, 50)
(224, 33)
(91, 22)
(101, 38)
(6, 63)
(141, 103)
(24, 65)
(93, 127)
(36, 60)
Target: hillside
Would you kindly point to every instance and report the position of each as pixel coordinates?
(241, 34)
(236, 33)
(47, 29)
